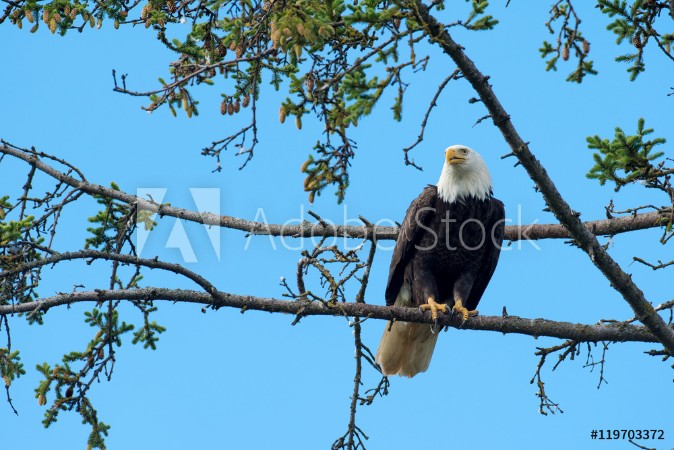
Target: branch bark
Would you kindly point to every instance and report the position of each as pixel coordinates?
(91, 255)
(587, 241)
(618, 332)
(317, 229)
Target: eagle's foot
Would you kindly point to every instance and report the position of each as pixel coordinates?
(434, 307)
(465, 313)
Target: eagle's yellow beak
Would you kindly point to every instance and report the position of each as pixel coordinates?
(454, 156)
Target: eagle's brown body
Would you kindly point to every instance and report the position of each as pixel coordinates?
(446, 248)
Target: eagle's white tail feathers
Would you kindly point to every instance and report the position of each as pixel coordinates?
(406, 348)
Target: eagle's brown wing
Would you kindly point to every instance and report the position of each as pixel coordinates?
(419, 213)
(494, 226)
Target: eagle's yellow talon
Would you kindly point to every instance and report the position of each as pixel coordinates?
(434, 307)
(465, 313)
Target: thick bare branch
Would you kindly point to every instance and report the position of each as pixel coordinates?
(319, 229)
(620, 332)
(587, 241)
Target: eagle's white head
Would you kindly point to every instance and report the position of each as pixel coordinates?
(464, 175)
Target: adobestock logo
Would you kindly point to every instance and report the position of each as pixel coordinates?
(293, 233)
(206, 201)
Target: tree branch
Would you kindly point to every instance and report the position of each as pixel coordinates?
(619, 332)
(424, 122)
(57, 257)
(620, 280)
(186, 78)
(613, 226)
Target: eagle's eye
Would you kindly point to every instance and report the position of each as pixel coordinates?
(464, 151)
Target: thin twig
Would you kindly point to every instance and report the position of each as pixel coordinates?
(431, 105)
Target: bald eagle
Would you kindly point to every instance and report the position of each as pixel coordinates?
(446, 252)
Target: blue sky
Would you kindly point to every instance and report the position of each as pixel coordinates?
(226, 380)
